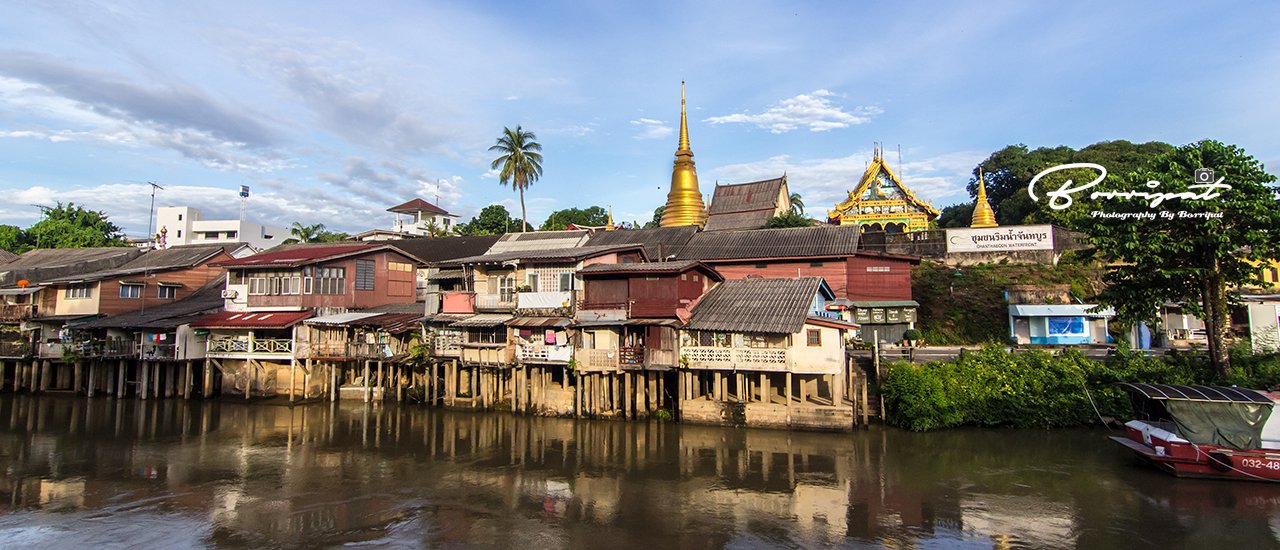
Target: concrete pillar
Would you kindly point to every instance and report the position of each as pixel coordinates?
(333, 383)
(764, 388)
(186, 381)
(248, 372)
(46, 372)
(144, 380)
(382, 382)
(93, 379)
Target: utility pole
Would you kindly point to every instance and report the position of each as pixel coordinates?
(152, 213)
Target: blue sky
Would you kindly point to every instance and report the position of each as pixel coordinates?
(332, 111)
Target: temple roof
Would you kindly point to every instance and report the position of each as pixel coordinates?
(747, 205)
(872, 175)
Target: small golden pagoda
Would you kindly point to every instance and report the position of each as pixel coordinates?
(684, 201)
(983, 215)
(880, 202)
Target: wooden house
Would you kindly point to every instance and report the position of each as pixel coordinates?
(764, 352)
(627, 331)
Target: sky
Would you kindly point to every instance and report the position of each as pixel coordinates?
(332, 112)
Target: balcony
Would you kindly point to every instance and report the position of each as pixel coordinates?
(239, 346)
(597, 359)
(756, 359)
(159, 352)
(457, 301)
(115, 347)
(640, 357)
(16, 312)
(495, 302)
(541, 353)
(447, 345)
(486, 355)
(14, 349)
(51, 350)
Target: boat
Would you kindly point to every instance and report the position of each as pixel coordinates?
(1204, 431)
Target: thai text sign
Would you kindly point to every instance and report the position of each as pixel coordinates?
(1000, 239)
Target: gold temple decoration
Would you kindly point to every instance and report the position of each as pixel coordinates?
(880, 202)
(609, 226)
(685, 205)
(983, 216)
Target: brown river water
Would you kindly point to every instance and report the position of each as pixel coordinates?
(101, 473)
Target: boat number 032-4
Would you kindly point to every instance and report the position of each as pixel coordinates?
(1257, 463)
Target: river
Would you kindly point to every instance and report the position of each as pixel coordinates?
(103, 473)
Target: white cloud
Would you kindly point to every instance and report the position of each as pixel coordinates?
(824, 182)
(652, 129)
(813, 111)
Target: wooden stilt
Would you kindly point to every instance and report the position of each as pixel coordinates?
(187, 381)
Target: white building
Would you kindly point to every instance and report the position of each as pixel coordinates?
(416, 216)
(182, 225)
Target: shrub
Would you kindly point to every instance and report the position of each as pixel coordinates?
(911, 334)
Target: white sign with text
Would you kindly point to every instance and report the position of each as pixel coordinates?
(1000, 239)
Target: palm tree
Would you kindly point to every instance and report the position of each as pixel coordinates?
(520, 162)
(305, 233)
(797, 204)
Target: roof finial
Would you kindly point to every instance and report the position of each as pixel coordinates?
(684, 122)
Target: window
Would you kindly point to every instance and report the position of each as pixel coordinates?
(233, 234)
(815, 264)
(761, 266)
(566, 282)
(399, 266)
(130, 291)
(275, 283)
(167, 292)
(877, 269)
(507, 289)
(1067, 326)
(179, 217)
(814, 336)
(531, 279)
(211, 235)
(77, 292)
(331, 280)
(364, 274)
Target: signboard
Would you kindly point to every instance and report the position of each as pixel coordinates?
(892, 315)
(1000, 239)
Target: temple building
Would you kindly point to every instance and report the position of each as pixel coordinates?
(684, 200)
(748, 205)
(881, 202)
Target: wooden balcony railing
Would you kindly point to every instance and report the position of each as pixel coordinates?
(489, 355)
(758, 359)
(16, 312)
(495, 302)
(14, 349)
(244, 346)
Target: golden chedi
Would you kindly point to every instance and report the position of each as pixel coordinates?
(684, 200)
(983, 215)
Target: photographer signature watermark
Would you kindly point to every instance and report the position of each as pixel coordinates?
(1206, 187)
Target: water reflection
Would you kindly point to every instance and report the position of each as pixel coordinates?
(173, 473)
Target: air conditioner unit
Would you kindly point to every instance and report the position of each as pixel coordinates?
(230, 294)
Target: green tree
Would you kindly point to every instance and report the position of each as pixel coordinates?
(657, 217)
(492, 220)
(519, 163)
(790, 219)
(71, 226)
(316, 233)
(560, 219)
(956, 215)
(14, 239)
(797, 204)
(1191, 260)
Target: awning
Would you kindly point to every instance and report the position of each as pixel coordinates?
(20, 291)
(340, 318)
(446, 274)
(1214, 394)
(539, 322)
(831, 323)
(250, 320)
(484, 320)
(447, 318)
(1059, 310)
(393, 323)
(72, 323)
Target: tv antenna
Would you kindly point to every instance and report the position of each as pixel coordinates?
(152, 213)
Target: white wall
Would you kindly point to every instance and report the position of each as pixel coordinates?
(825, 359)
(1264, 327)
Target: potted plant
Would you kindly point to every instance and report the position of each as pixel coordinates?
(912, 337)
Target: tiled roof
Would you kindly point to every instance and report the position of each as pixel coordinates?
(168, 259)
(739, 220)
(43, 264)
(825, 240)
(573, 254)
(659, 242)
(248, 320)
(744, 205)
(441, 249)
(6, 256)
(295, 256)
(417, 205)
(778, 306)
(536, 240)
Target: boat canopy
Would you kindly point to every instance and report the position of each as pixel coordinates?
(1206, 415)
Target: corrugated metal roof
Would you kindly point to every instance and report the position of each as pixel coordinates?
(513, 242)
(745, 197)
(1059, 310)
(247, 320)
(168, 259)
(20, 291)
(641, 267)
(440, 249)
(826, 240)
(202, 302)
(658, 242)
(340, 318)
(739, 220)
(293, 256)
(1215, 394)
(778, 306)
(883, 303)
(546, 255)
(446, 274)
(482, 320)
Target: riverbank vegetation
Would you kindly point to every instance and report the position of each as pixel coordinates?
(1025, 389)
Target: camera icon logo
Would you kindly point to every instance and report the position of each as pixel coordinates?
(1204, 175)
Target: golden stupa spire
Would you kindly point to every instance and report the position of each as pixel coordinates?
(609, 226)
(983, 216)
(684, 200)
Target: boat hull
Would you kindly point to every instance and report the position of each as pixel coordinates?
(1186, 459)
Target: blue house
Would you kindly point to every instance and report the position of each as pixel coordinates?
(1059, 324)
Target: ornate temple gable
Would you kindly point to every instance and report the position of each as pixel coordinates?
(880, 202)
